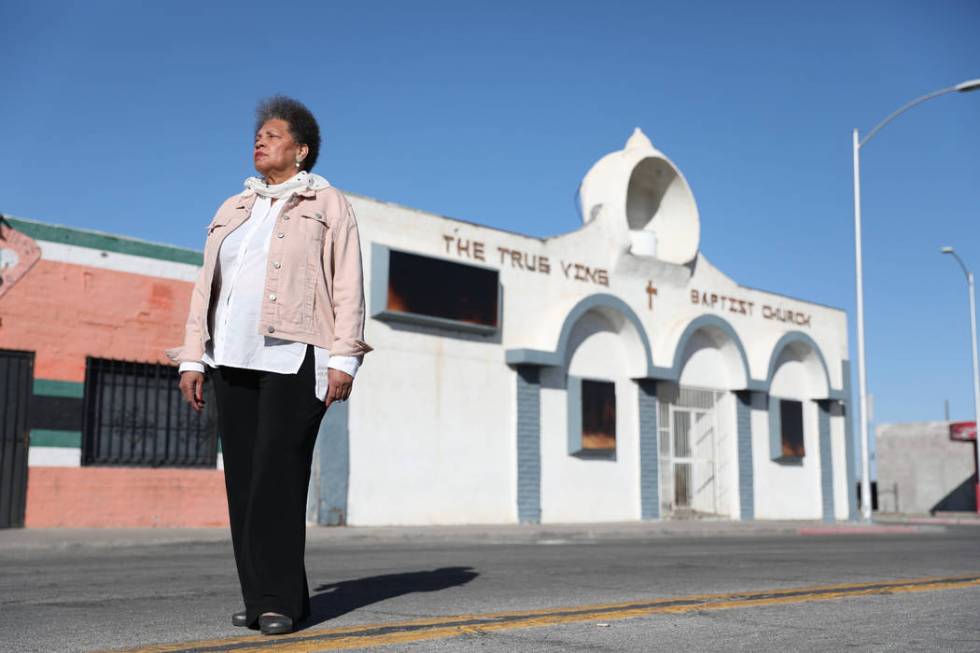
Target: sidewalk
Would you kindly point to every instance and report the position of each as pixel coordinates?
(940, 518)
(544, 534)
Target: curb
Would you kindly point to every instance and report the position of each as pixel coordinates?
(873, 529)
(61, 540)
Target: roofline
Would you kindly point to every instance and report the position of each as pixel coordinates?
(795, 299)
(447, 217)
(104, 241)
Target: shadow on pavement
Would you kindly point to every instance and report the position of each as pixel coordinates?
(335, 599)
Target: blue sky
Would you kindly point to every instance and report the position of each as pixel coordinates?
(136, 118)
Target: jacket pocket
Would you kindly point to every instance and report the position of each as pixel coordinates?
(316, 231)
(317, 217)
(215, 225)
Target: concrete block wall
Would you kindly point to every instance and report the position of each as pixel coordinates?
(921, 470)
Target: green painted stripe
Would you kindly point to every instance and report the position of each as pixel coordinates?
(52, 438)
(57, 233)
(52, 388)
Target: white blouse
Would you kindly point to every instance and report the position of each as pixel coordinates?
(236, 341)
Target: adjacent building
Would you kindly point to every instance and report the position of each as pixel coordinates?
(608, 373)
(927, 467)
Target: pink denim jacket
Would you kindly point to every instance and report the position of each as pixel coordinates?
(314, 285)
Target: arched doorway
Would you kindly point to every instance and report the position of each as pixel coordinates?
(697, 428)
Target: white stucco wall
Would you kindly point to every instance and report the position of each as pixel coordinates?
(782, 490)
(432, 441)
(727, 451)
(577, 489)
(433, 421)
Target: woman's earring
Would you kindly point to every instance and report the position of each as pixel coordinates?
(297, 163)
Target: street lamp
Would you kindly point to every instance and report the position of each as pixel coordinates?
(858, 143)
(973, 336)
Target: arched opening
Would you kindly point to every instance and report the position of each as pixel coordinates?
(589, 417)
(797, 381)
(698, 438)
(797, 370)
(660, 211)
(798, 453)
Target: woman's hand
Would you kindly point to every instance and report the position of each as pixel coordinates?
(339, 385)
(192, 387)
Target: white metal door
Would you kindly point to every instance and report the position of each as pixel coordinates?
(688, 448)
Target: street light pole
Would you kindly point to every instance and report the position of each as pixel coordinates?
(862, 374)
(971, 288)
(858, 143)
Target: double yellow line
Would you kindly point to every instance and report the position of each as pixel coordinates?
(445, 627)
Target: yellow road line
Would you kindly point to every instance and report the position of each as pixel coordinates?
(354, 637)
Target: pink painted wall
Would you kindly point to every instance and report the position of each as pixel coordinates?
(125, 496)
(65, 311)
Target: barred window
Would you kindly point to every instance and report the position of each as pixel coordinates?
(135, 415)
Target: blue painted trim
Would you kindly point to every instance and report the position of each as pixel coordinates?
(649, 451)
(537, 357)
(333, 442)
(746, 468)
(52, 388)
(558, 357)
(849, 454)
(528, 444)
(379, 278)
(712, 321)
(573, 405)
(826, 461)
(775, 429)
(573, 411)
(794, 337)
(442, 323)
(776, 435)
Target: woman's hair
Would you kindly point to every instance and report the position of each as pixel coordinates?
(302, 124)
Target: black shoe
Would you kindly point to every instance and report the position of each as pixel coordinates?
(275, 624)
(239, 619)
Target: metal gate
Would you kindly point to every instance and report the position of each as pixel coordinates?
(688, 433)
(16, 387)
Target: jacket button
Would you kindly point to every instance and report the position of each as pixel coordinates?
(272, 296)
(272, 329)
(275, 264)
(280, 235)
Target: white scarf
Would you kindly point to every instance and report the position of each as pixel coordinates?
(300, 181)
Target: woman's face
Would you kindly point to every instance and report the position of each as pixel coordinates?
(275, 151)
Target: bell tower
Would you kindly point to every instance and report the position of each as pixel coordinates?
(646, 199)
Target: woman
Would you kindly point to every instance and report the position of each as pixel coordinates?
(277, 314)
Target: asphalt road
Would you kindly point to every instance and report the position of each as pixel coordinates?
(84, 598)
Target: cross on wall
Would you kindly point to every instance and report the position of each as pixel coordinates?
(651, 291)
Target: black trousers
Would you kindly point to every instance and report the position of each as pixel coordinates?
(268, 424)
